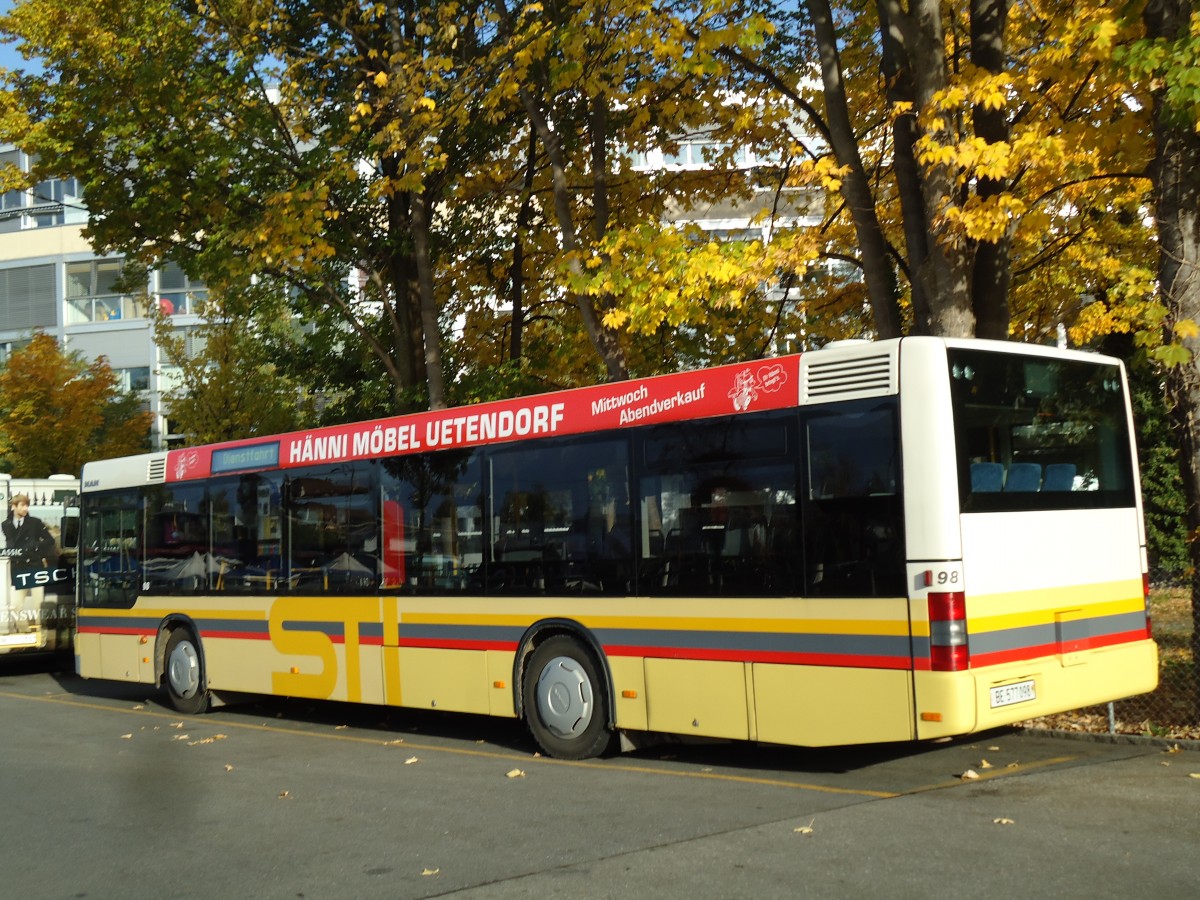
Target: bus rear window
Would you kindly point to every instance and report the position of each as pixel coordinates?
(1039, 433)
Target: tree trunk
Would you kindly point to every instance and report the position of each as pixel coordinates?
(428, 303)
(877, 268)
(992, 268)
(604, 339)
(897, 75)
(516, 268)
(946, 271)
(1176, 177)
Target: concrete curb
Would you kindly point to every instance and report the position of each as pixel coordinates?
(1143, 740)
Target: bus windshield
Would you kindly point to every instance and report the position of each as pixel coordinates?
(1039, 433)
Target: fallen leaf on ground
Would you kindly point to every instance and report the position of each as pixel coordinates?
(207, 740)
(411, 760)
(138, 706)
(393, 743)
(1194, 775)
(179, 737)
(430, 871)
(805, 829)
(969, 775)
(514, 773)
(228, 768)
(283, 795)
(127, 737)
(1003, 821)
(984, 764)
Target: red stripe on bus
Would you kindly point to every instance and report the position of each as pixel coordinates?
(1040, 651)
(842, 660)
(236, 635)
(440, 644)
(1082, 645)
(97, 629)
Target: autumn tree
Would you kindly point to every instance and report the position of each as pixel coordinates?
(298, 142)
(984, 170)
(228, 384)
(1169, 59)
(57, 411)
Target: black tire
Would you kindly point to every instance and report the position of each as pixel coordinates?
(184, 673)
(566, 701)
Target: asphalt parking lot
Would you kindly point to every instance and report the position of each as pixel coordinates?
(109, 793)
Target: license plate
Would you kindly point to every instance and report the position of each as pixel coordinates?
(1008, 694)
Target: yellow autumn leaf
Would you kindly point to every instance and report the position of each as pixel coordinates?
(381, 79)
(1186, 329)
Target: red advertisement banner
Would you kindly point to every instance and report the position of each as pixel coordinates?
(741, 387)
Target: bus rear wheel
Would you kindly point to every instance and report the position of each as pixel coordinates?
(566, 704)
(184, 675)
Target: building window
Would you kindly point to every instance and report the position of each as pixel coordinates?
(55, 201)
(27, 298)
(134, 380)
(92, 294)
(178, 294)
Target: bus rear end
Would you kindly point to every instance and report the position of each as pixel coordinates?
(1027, 552)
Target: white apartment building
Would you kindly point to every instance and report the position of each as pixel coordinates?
(51, 280)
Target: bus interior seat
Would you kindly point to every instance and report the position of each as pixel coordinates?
(987, 477)
(1059, 477)
(1023, 477)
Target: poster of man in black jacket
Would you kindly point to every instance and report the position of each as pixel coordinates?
(27, 540)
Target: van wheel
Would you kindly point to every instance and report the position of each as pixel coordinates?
(566, 704)
(185, 673)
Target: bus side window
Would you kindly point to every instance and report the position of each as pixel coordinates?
(718, 508)
(432, 527)
(853, 512)
(333, 529)
(110, 550)
(561, 519)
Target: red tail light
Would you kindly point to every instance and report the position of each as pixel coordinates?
(948, 632)
(1146, 597)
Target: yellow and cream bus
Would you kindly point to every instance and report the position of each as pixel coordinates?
(885, 541)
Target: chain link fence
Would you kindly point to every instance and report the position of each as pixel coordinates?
(1173, 709)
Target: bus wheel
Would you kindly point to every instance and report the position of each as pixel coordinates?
(185, 675)
(565, 704)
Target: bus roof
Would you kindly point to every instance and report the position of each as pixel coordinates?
(849, 368)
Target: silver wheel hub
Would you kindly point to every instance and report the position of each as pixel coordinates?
(564, 697)
(183, 670)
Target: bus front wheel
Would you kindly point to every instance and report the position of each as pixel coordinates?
(566, 705)
(185, 673)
